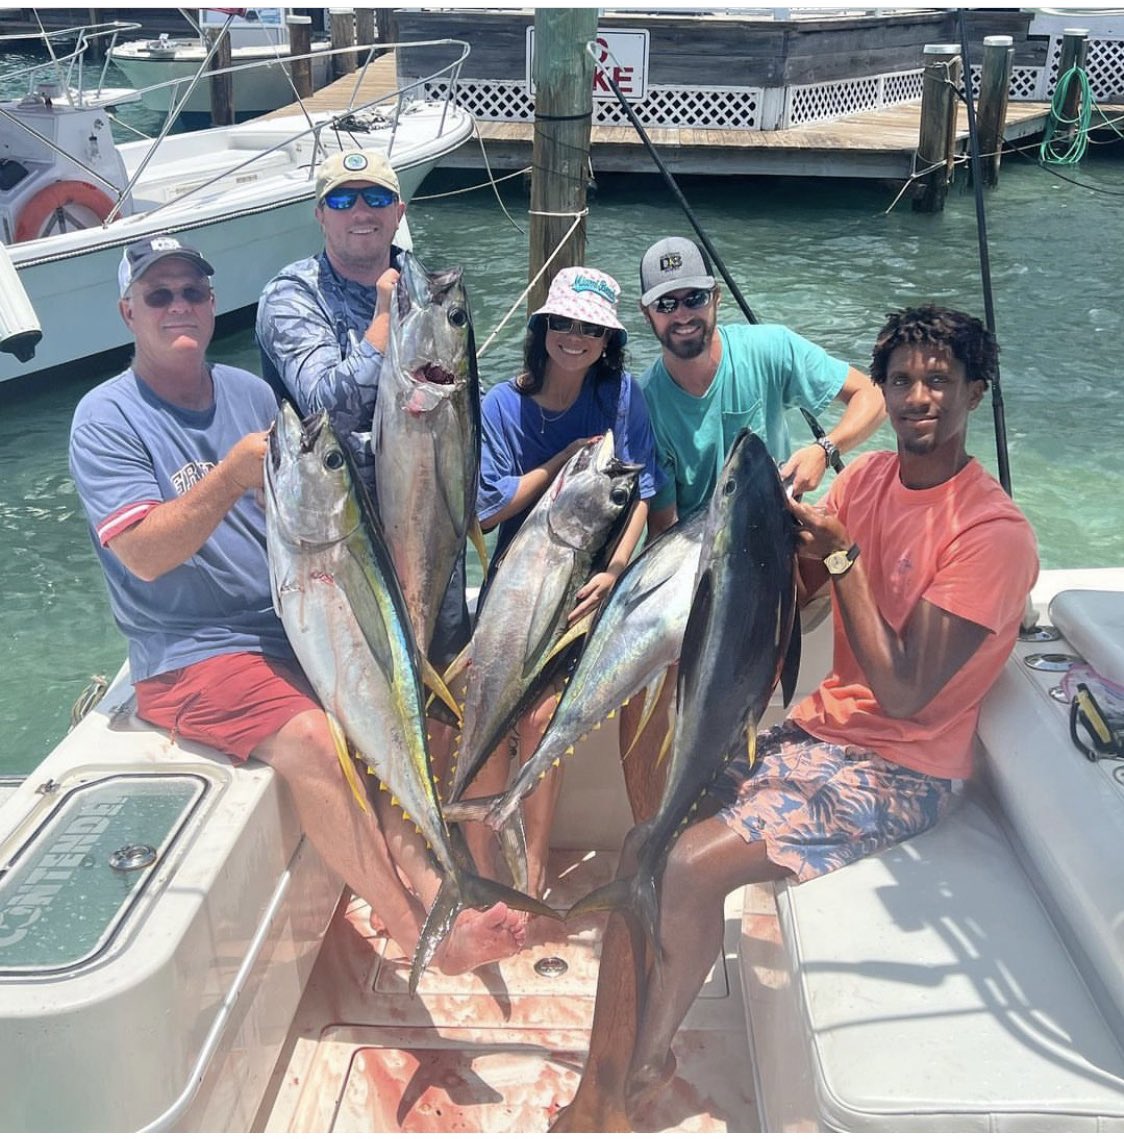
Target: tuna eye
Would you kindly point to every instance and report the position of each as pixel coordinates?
(618, 496)
(333, 460)
(458, 318)
(729, 486)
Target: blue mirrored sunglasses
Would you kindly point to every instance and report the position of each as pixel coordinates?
(377, 197)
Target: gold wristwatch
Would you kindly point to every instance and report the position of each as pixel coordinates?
(838, 562)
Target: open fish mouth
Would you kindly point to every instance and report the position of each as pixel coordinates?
(434, 374)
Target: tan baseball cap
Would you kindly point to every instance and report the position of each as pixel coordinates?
(355, 166)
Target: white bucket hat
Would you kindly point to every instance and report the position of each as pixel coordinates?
(584, 294)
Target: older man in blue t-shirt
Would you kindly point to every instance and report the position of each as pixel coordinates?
(167, 458)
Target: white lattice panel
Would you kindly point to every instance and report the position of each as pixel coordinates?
(1025, 82)
(1104, 65)
(814, 102)
(719, 107)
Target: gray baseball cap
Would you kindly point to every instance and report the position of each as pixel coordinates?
(673, 263)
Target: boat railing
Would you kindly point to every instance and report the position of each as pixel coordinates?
(68, 69)
(339, 123)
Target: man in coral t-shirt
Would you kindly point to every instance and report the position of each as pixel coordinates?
(929, 564)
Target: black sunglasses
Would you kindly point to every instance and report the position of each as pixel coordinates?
(567, 324)
(192, 294)
(377, 197)
(697, 298)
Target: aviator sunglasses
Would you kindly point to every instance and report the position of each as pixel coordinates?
(697, 298)
(192, 294)
(377, 197)
(565, 324)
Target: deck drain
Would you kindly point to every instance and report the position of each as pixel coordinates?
(1051, 662)
(1038, 633)
(550, 966)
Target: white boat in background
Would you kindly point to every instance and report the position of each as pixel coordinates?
(160, 916)
(258, 35)
(71, 199)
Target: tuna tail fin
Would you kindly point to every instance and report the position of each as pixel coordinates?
(637, 895)
(502, 814)
(465, 891)
(476, 535)
(438, 922)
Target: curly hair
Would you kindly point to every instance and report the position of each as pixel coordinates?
(965, 337)
(535, 356)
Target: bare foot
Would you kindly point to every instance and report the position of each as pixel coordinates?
(571, 1118)
(646, 1081)
(480, 937)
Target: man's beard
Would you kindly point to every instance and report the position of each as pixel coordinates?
(688, 348)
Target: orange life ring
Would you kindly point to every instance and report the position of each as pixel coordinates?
(34, 215)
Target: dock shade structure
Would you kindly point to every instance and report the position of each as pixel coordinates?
(19, 326)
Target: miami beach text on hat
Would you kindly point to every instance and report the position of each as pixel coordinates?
(592, 285)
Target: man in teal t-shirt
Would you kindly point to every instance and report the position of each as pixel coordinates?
(710, 382)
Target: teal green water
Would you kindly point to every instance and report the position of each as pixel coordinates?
(821, 257)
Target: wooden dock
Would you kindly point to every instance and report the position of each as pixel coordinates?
(872, 144)
(377, 82)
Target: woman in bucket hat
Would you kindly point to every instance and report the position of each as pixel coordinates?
(573, 388)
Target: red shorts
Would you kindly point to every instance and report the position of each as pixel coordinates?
(231, 702)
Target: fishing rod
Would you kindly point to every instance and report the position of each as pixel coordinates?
(997, 408)
(817, 429)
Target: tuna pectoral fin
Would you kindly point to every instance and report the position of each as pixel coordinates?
(477, 537)
(465, 891)
(459, 663)
(436, 685)
(343, 754)
(791, 669)
(574, 633)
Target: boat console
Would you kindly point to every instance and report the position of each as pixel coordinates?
(160, 912)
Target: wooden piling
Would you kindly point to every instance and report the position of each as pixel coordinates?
(562, 71)
(1075, 46)
(938, 126)
(222, 86)
(995, 84)
(300, 43)
(365, 26)
(343, 35)
(387, 25)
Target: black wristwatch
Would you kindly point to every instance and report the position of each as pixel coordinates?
(838, 562)
(834, 459)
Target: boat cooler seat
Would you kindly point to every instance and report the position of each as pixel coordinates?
(971, 979)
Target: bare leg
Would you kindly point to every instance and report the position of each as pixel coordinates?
(491, 779)
(538, 808)
(707, 862)
(366, 854)
(599, 1104)
(350, 842)
(643, 776)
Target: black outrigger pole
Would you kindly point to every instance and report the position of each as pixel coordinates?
(719, 264)
(985, 261)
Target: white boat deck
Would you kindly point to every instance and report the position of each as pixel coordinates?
(499, 1050)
